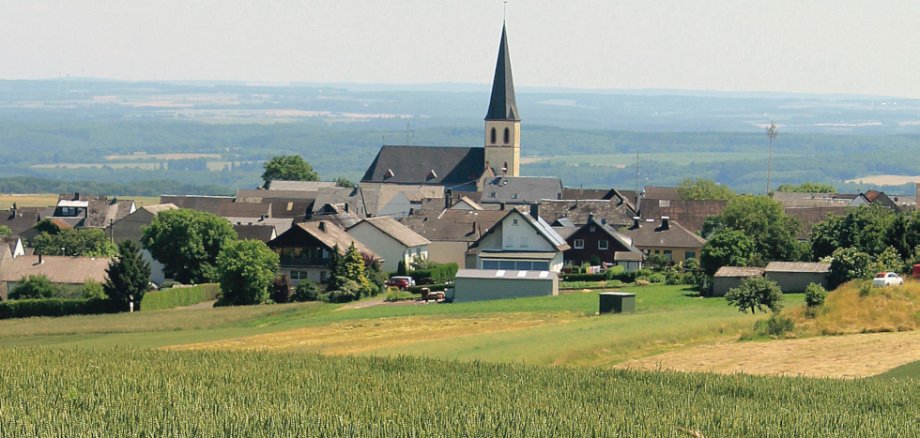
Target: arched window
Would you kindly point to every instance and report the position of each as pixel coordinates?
(492, 136)
(507, 136)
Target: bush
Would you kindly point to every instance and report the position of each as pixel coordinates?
(399, 295)
(179, 296)
(431, 287)
(815, 295)
(25, 308)
(348, 290)
(435, 273)
(281, 289)
(34, 287)
(849, 264)
(776, 325)
(584, 277)
(614, 272)
(306, 290)
(92, 289)
(656, 278)
(755, 293)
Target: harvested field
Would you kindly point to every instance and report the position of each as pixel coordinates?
(885, 180)
(362, 336)
(849, 356)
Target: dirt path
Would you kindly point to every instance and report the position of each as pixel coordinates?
(847, 356)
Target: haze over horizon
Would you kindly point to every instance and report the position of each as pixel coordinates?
(823, 47)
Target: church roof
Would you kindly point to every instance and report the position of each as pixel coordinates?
(434, 165)
(502, 106)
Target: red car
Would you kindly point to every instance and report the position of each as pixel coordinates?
(400, 282)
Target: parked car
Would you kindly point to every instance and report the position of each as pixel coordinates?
(401, 282)
(883, 279)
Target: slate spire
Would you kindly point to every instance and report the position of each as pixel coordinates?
(502, 106)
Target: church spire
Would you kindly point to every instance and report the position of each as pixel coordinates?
(502, 106)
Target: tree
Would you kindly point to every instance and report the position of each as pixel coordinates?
(247, 269)
(32, 287)
(87, 242)
(348, 276)
(888, 260)
(807, 187)
(694, 189)
(128, 276)
(343, 182)
(755, 293)
(848, 264)
(187, 243)
(815, 295)
(726, 248)
(281, 289)
(766, 223)
(288, 168)
(870, 229)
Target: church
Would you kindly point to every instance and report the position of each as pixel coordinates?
(461, 169)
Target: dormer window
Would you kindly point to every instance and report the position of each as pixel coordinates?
(515, 196)
(493, 136)
(507, 136)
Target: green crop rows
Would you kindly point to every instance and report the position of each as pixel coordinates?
(60, 392)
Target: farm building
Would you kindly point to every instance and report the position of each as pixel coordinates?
(728, 277)
(796, 276)
(494, 284)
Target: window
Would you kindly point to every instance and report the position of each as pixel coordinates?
(603, 244)
(299, 275)
(667, 254)
(323, 276)
(492, 194)
(592, 228)
(507, 136)
(515, 196)
(689, 255)
(490, 264)
(514, 222)
(579, 243)
(506, 264)
(492, 136)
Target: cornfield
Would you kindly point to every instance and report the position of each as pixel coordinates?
(62, 392)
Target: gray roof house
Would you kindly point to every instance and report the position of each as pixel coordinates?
(519, 241)
(391, 240)
(519, 189)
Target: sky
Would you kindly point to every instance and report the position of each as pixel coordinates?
(812, 46)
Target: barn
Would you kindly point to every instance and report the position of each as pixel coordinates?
(796, 276)
(494, 284)
(728, 277)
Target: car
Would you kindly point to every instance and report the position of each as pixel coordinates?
(401, 282)
(884, 279)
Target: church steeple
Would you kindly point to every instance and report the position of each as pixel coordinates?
(503, 123)
(502, 106)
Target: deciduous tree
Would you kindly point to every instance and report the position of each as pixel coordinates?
(187, 243)
(89, 242)
(726, 248)
(755, 293)
(288, 168)
(34, 286)
(247, 269)
(694, 189)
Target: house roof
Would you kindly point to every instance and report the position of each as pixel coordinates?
(279, 224)
(538, 224)
(20, 220)
(653, 234)
(326, 233)
(506, 274)
(811, 216)
(616, 211)
(260, 232)
(811, 267)
(502, 105)
(210, 204)
(798, 200)
(521, 189)
(628, 256)
(59, 269)
(691, 214)
(434, 165)
(377, 198)
(155, 209)
(260, 195)
(652, 192)
(738, 271)
(453, 225)
(300, 186)
(401, 233)
(623, 240)
(101, 212)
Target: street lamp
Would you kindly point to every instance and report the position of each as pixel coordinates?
(772, 132)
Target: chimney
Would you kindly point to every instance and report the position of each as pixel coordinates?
(322, 225)
(603, 221)
(501, 206)
(76, 196)
(637, 222)
(535, 211)
(448, 197)
(261, 217)
(665, 223)
(473, 231)
(590, 217)
(40, 259)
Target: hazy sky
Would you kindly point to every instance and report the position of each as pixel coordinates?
(825, 46)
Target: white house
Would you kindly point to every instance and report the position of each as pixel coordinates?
(519, 241)
(391, 240)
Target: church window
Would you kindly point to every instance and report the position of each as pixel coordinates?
(492, 136)
(507, 136)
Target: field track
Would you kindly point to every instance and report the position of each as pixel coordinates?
(848, 356)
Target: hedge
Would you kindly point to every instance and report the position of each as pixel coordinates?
(431, 287)
(55, 307)
(437, 273)
(583, 277)
(179, 296)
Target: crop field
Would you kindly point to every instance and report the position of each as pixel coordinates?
(65, 392)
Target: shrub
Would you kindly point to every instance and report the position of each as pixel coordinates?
(431, 287)
(435, 273)
(25, 308)
(776, 325)
(306, 290)
(399, 295)
(34, 287)
(755, 293)
(348, 290)
(92, 289)
(614, 272)
(281, 289)
(584, 277)
(179, 296)
(656, 278)
(815, 295)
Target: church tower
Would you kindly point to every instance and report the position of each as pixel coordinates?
(503, 124)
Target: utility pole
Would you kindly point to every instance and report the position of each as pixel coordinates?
(772, 132)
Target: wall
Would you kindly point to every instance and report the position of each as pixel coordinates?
(793, 282)
(520, 237)
(477, 289)
(677, 254)
(386, 247)
(590, 238)
(721, 285)
(129, 227)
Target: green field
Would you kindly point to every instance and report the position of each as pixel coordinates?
(524, 367)
(677, 158)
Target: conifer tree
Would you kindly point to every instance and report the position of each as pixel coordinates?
(128, 276)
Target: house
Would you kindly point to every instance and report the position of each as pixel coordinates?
(395, 200)
(690, 213)
(300, 186)
(667, 238)
(279, 225)
(729, 277)
(131, 228)
(69, 272)
(493, 284)
(19, 220)
(519, 241)
(519, 190)
(452, 232)
(796, 276)
(598, 242)
(260, 232)
(14, 245)
(210, 204)
(391, 240)
(306, 249)
(617, 211)
(89, 211)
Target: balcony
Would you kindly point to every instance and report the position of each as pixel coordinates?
(303, 262)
